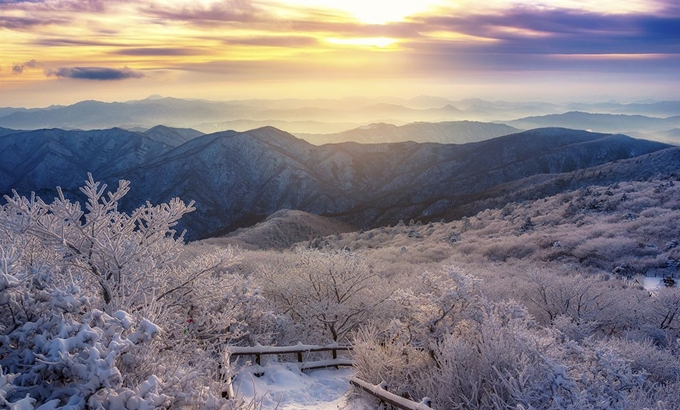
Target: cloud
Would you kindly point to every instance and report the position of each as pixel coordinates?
(273, 41)
(214, 13)
(94, 73)
(25, 23)
(365, 65)
(65, 42)
(19, 68)
(561, 31)
(158, 51)
(24, 15)
(60, 5)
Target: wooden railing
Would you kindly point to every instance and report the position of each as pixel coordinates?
(379, 390)
(258, 351)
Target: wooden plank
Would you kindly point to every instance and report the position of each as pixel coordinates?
(324, 364)
(268, 350)
(390, 398)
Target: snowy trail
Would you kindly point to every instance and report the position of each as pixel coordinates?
(285, 387)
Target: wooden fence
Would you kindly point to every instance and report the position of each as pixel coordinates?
(258, 351)
(379, 391)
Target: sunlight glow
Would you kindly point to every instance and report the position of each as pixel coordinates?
(303, 46)
(365, 42)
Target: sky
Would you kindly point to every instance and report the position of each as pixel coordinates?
(64, 51)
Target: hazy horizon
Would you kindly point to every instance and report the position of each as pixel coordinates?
(609, 99)
(65, 51)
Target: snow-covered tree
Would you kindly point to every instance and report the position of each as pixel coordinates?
(328, 295)
(105, 309)
(433, 304)
(126, 257)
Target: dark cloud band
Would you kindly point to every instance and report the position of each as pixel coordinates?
(94, 73)
(157, 51)
(19, 68)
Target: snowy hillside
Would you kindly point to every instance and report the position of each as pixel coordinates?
(547, 298)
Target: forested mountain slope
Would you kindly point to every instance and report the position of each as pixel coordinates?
(239, 178)
(42, 159)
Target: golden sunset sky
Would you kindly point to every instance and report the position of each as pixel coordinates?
(63, 51)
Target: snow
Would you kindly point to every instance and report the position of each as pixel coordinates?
(650, 283)
(653, 282)
(284, 386)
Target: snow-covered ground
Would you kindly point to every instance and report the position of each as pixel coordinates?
(651, 282)
(284, 386)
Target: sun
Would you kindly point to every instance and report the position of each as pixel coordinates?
(373, 11)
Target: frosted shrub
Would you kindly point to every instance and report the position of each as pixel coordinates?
(500, 358)
(386, 355)
(664, 309)
(401, 349)
(97, 308)
(433, 305)
(498, 363)
(494, 359)
(509, 248)
(660, 366)
(587, 301)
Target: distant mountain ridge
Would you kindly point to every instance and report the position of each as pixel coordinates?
(239, 178)
(600, 122)
(449, 132)
(309, 116)
(96, 114)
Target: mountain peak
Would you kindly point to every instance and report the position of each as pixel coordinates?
(272, 135)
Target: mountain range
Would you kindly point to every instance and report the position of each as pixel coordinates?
(239, 178)
(326, 116)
